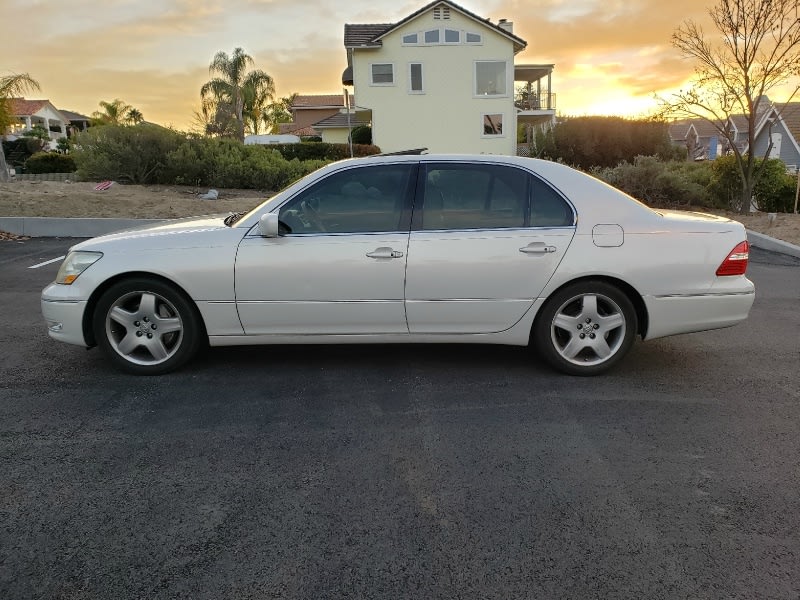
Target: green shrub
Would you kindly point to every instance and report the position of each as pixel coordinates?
(670, 184)
(773, 191)
(323, 151)
(50, 162)
(128, 154)
(228, 163)
(361, 135)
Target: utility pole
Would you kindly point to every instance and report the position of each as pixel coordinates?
(797, 189)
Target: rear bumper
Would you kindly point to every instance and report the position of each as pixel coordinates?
(671, 315)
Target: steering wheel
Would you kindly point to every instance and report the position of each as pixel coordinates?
(310, 213)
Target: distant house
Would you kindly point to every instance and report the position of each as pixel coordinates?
(781, 126)
(443, 78)
(309, 109)
(77, 122)
(32, 113)
(701, 138)
(775, 121)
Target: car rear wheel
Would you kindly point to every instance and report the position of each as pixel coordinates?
(146, 327)
(585, 328)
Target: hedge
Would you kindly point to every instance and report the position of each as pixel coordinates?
(323, 151)
(50, 162)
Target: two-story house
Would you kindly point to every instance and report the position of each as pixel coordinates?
(443, 79)
(31, 113)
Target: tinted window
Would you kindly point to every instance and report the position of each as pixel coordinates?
(359, 200)
(548, 208)
(474, 197)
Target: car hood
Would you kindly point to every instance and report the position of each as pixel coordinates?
(171, 233)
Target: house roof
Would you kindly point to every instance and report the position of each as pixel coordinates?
(679, 129)
(318, 101)
(340, 120)
(293, 129)
(704, 128)
(362, 35)
(73, 116)
(19, 107)
(790, 113)
(369, 35)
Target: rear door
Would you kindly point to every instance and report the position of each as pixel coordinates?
(485, 240)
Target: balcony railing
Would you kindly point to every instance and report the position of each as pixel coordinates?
(536, 102)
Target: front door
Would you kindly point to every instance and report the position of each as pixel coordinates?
(340, 266)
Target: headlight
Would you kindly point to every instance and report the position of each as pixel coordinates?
(75, 264)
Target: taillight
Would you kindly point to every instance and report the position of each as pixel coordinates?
(736, 262)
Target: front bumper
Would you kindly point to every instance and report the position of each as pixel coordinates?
(63, 314)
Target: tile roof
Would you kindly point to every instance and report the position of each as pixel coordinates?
(318, 100)
(340, 120)
(368, 35)
(359, 35)
(19, 107)
(292, 129)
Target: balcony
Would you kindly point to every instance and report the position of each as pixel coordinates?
(532, 101)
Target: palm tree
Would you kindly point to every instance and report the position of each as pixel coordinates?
(10, 87)
(235, 87)
(257, 94)
(278, 112)
(113, 113)
(134, 116)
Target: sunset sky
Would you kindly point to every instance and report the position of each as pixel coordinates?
(611, 56)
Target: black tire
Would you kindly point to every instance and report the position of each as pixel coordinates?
(585, 328)
(146, 327)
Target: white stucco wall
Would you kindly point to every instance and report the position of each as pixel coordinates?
(335, 135)
(448, 116)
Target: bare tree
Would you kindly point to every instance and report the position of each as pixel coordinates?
(755, 49)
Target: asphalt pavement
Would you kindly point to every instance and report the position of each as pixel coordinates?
(401, 471)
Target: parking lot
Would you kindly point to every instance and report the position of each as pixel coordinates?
(401, 471)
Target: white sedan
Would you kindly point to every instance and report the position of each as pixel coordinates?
(432, 248)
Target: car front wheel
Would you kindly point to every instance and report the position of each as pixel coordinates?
(585, 328)
(146, 327)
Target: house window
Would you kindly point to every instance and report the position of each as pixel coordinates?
(411, 38)
(382, 74)
(432, 36)
(415, 82)
(493, 125)
(490, 78)
(473, 38)
(452, 36)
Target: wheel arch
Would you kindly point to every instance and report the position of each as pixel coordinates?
(635, 297)
(91, 304)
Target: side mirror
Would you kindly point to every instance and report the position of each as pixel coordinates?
(268, 225)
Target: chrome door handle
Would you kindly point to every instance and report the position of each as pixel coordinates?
(384, 252)
(538, 248)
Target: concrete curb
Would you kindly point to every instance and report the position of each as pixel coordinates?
(80, 228)
(67, 227)
(759, 240)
